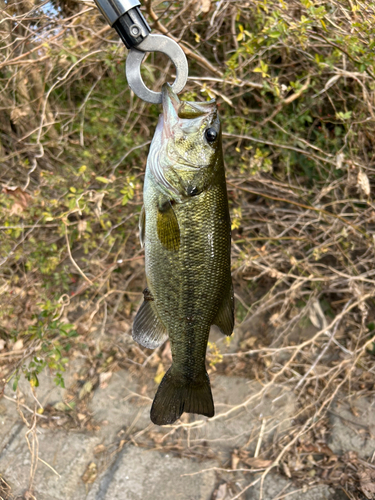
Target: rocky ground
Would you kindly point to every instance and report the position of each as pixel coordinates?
(112, 450)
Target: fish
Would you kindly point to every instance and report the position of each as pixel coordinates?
(185, 229)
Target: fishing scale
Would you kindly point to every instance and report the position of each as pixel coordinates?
(126, 18)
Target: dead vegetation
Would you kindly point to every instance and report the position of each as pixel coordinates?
(295, 83)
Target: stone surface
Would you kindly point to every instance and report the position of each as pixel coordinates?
(66, 453)
(275, 487)
(235, 424)
(10, 424)
(120, 405)
(247, 415)
(139, 474)
(353, 427)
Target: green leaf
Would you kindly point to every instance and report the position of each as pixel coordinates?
(104, 180)
(344, 116)
(15, 382)
(34, 381)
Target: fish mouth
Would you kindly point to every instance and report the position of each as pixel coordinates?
(175, 110)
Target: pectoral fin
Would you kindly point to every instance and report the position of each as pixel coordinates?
(167, 227)
(142, 226)
(148, 329)
(225, 316)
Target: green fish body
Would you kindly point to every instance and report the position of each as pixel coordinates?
(185, 229)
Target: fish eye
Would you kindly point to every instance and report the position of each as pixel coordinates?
(210, 134)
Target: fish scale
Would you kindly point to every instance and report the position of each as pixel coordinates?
(199, 271)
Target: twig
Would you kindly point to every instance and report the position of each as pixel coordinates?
(259, 443)
(73, 261)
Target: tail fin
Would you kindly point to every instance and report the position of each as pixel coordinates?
(176, 395)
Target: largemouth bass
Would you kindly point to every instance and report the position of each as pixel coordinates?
(185, 229)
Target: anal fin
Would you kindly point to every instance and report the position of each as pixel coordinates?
(225, 316)
(148, 329)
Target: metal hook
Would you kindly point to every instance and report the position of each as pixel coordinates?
(155, 43)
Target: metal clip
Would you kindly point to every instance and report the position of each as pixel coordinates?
(127, 19)
(155, 43)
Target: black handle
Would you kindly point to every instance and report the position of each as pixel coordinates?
(132, 27)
